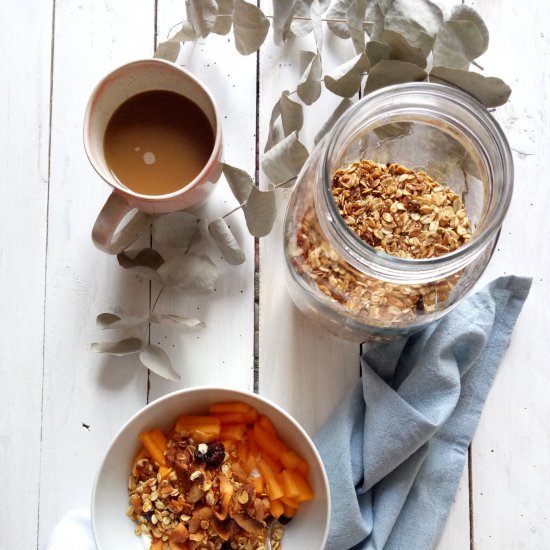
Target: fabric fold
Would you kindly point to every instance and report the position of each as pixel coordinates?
(409, 421)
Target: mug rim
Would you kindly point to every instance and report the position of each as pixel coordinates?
(215, 155)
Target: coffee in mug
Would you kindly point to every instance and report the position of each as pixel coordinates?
(152, 132)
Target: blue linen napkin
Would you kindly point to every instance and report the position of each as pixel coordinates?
(395, 448)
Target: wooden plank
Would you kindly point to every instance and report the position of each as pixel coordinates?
(301, 368)
(511, 449)
(87, 397)
(24, 111)
(222, 353)
(304, 369)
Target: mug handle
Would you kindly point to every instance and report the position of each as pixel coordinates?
(108, 220)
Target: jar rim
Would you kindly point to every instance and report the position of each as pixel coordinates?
(357, 250)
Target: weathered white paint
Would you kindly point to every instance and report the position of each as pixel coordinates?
(24, 135)
(55, 282)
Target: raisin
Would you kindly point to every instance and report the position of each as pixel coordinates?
(213, 456)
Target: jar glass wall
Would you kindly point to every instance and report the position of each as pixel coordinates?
(356, 290)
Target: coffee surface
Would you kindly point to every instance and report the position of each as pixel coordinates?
(157, 142)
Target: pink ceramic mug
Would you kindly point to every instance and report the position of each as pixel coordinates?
(124, 82)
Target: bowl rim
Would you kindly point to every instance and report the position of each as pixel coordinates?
(248, 394)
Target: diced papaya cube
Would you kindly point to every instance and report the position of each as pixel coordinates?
(289, 511)
(201, 428)
(290, 502)
(267, 425)
(187, 422)
(276, 508)
(164, 471)
(273, 463)
(140, 455)
(154, 444)
(290, 460)
(306, 493)
(233, 431)
(229, 407)
(251, 416)
(274, 490)
(258, 484)
(157, 545)
(159, 438)
(290, 487)
(303, 468)
(242, 450)
(231, 418)
(268, 442)
(250, 463)
(253, 448)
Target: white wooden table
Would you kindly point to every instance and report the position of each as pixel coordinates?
(61, 404)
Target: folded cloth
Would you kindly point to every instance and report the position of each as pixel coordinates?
(395, 448)
(73, 532)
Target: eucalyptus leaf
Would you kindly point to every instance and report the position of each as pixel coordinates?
(157, 361)
(203, 15)
(228, 245)
(377, 51)
(146, 257)
(129, 232)
(309, 87)
(300, 22)
(282, 18)
(144, 262)
(239, 182)
(401, 50)
(224, 18)
(111, 321)
(393, 130)
(168, 50)
(185, 34)
(355, 17)
(176, 229)
(120, 348)
(345, 80)
(343, 106)
(274, 135)
(384, 5)
(191, 273)
(457, 44)
(171, 320)
(462, 12)
(292, 114)
(285, 160)
(391, 72)
(374, 20)
(336, 18)
(250, 27)
(260, 212)
(315, 14)
(417, 20)
(489, 90)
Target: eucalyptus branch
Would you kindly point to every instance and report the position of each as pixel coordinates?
(244, 203)
(299, 18)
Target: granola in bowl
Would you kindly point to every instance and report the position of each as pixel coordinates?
(166, 437)
(192, 491)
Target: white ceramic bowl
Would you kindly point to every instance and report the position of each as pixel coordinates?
(113, 530)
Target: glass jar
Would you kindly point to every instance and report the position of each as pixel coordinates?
(357, 291)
